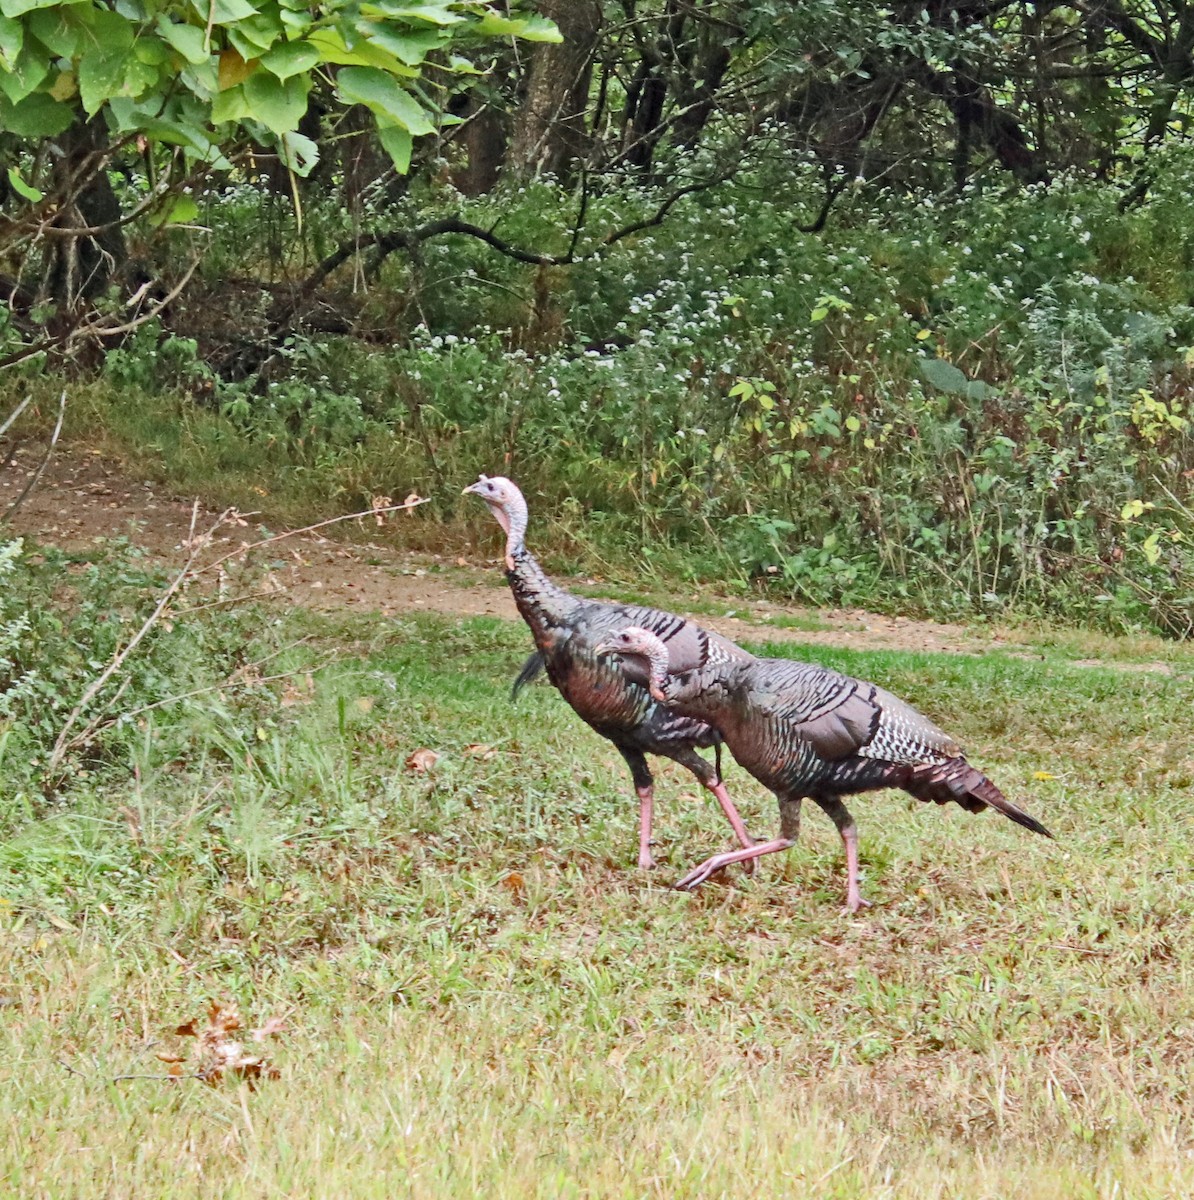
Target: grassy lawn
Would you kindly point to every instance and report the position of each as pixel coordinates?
(484, 997)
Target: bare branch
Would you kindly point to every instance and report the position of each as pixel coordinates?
(37, 474)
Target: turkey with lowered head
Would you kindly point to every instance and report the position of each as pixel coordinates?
(804, 731)
(610, 697)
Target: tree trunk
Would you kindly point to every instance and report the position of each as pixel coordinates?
(549, 127)
(81, 266)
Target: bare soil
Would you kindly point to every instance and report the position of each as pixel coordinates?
(81, 499)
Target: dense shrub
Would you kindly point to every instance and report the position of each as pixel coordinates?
(971, 402)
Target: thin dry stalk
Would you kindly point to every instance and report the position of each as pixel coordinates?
(67, 740)
(45, 458)
(20, 408)
(118, 660)
(281, 537)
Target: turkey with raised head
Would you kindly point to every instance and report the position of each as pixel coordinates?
(806, 732)
(611, 697)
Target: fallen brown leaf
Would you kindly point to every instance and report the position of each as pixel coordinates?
(422, 760)
(411, 500)
(481, 751)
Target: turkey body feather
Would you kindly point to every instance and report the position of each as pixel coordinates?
(610, 696)
(807, 732)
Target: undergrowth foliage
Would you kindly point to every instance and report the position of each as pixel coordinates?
(64, 616)
(974, 403)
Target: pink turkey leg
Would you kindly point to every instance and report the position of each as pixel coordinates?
(736, 823)
(646, 808)
(854, 900)
(710, 866)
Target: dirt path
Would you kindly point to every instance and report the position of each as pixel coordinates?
(80, 499)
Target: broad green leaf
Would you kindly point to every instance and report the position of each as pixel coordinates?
(331, 44)
(229, 105)
(104, 74)
(12, 37)
(31, 69)
(226, 12)
(17, 8)
(276, 103)
(530, 28)
(254, 36)
(436, 14)
(188, 40)
(27, 190)
(55, 30)
(383, 96)
(944, 376)
(411, 47)
(35, 116)
(397, 143)
(176, 210)
(290, 58)
(299, 153)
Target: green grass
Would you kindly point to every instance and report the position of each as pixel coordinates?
(484, 997)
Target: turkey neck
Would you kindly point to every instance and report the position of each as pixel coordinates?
(542, 605)
(704, 693)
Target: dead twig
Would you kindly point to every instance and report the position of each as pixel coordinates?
(45, 458)
(280, 537)
(118, 660)
(20, 408)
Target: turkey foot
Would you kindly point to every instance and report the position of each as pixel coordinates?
(718, 862)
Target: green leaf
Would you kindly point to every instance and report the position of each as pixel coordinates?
(530, 29)
(853, 424)
(412, 47)
(55, 30)
(32, 67)
(12, 37)
(279, 104)
(225, 12)
(818, 314)
(253, 37)
(230, 105)
(397, 143)
(436, 14)
(290, 58)
(331, 44)
(22, 188)
(35, 116)
(944, 376)
(102, 75)
(1152, 551)
(299, 153)
(17, 8)
(383, 96)
(188, 40)
(176, 210)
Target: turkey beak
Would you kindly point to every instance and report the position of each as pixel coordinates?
(470, 490)
(604, 649)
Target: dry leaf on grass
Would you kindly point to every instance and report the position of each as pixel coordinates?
(422, 760)
(218, 1054)
(411, 501)
(478, 750)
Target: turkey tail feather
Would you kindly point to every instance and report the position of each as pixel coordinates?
(531, 670)
(955, 779)
(989, 794)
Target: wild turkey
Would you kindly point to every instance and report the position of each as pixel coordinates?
(803, 731)
(610, 698)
